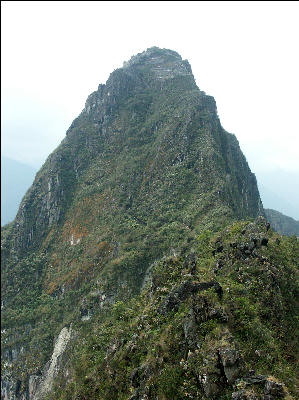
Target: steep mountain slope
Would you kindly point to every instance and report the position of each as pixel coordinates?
(16, 179)
(215, 323)
(282, 223)
(146, 138)
(143, 170)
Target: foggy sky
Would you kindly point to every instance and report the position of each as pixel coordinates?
(245, 54)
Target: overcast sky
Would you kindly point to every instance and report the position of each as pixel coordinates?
(245, 54)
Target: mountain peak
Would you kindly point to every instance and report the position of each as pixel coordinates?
(146, 170)
(152, 68)
(150, 53)
(164, 63)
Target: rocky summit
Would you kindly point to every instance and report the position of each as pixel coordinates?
(140, 264)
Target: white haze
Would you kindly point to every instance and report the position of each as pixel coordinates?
(245, 54)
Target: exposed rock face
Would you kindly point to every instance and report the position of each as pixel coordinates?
(222, 365)
(39, 386)
(186, 289)
(274, 390)
(230, 359)
(271, 389)
(166, 64)
(187, 127)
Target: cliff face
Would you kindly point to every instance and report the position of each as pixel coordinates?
(144, 169)
(147, 133)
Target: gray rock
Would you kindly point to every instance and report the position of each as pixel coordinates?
(274, 389)
(244, 395)
(210, 376)
(218, 314)
(190, 329)
(34, 381)
(182, 292)
(231, 361)
(254, 379)
(190, 262)
(210, 385)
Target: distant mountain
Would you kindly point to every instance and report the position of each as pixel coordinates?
(281, 223)
(279, 190)
(16, 178)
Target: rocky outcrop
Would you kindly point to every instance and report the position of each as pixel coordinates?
(186, 289)
(165, 65)
(222, 365)
(230, 360)
(40, 385)
(259, 387)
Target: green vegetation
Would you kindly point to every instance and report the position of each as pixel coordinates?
(136, 348)
(102, 246)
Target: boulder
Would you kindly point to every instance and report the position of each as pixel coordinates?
(231, 362)
(274, 389)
